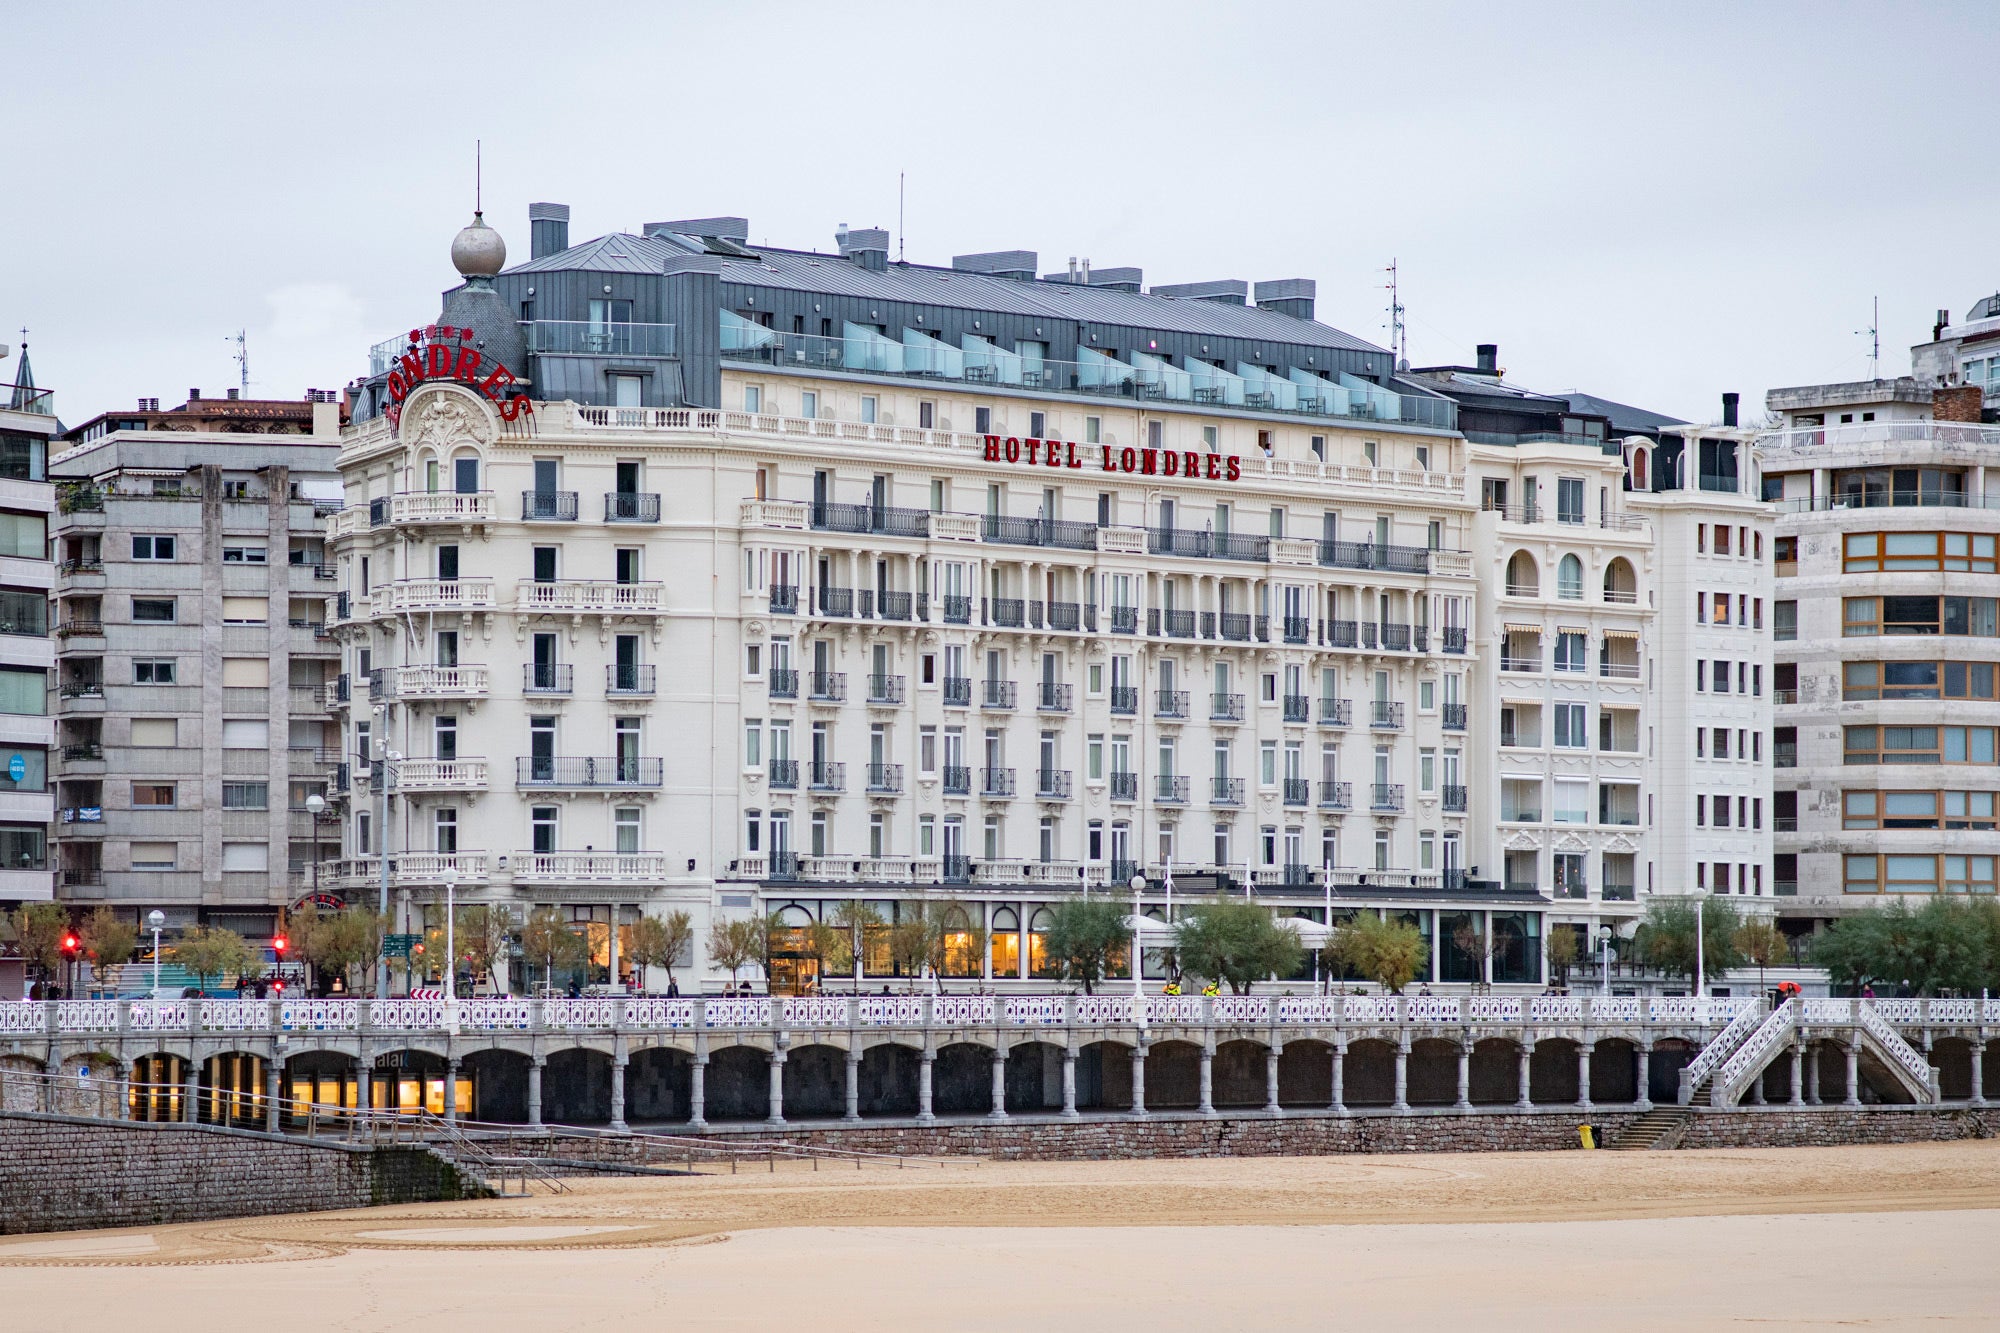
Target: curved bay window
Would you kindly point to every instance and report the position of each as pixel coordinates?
(1005, 938)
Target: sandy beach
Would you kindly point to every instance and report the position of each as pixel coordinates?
(1880, 1237)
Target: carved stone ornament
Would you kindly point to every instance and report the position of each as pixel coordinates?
(1522, 842)
(443, 417)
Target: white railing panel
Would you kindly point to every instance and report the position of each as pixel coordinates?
(1952, 1011)
(1891, 1041)
(1900, 1011)
(495, 1015)
(1036, 1011)
(305, 1015)
(746, 1012)
(1829, 1011)
(1241, 1008)
(1308, 1009)
(1371, 1009)
(1098, 1010)
(659, 1012)
(891, 1011)
(1556, 1009)
(235, 1015)
(1175, 1009)
(1493, 1008)
(406, 1015)
(1614, 1008)
(816, 1011)
(161, 1015)
(23, 1016)
(87, 1015)
(1434, 1009)
(962, 1011)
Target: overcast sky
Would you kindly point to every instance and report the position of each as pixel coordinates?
(1652, 203)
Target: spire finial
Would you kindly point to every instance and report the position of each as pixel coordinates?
(478, 178)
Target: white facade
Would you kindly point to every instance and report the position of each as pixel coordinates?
(27, 654)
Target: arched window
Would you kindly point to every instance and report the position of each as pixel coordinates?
(1641, 458)
(1006, 940)
(1039, 962)
(1569, 579)
(1523, 579)
(1620, 584)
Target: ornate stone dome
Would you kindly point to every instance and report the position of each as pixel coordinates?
(477, 251)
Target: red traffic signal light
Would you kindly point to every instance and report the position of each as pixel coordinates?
(70, 944)
(278, 985)
(279, 945)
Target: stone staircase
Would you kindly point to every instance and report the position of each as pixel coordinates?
(1650, 1129)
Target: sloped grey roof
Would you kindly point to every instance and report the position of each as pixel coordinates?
(805, 271)
(1625, 419)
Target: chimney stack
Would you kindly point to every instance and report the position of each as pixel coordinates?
(1489, 358)
(1729, 401)
(866, 247)
(548, 229)
(1943, 323)
(194, 395)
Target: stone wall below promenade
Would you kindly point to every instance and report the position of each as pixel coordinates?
(60, 1173)
(1832, 1126)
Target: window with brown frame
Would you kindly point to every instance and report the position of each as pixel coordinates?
(1894, 552)
(1918, 680)
(1916, 810)
(1918, 874)
(1918, 745)
(1867, 617)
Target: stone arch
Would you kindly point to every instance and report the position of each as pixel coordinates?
(1569, 577)
(1614, 1071)
(1620, 583)
(1238, 1075)
(659, 1084)
(576, 1087)
(1495, 1077)
(1952, 1058)
(1830, 1058)
(1370, 1076)
(1104, 1076)
(1433, 1072)
(737, 1085)
(962, 1079)
(1305, 1073)
(1173, 1075)
(233, 1090)
(87, 1085)
(159, 1080)
(1639, 478)
(400, 1078)
(321, 1082)
(889, 1078)
(499, 1079)
(1034, 1076)
(815, 1082)
(1552, 1077)
(1663, 1070)
(1524, 576)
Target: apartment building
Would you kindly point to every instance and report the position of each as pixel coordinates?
(1884, 551)
(27, 426)
(677, 572)
(194, 669)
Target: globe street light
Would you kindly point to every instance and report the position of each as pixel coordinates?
(156, 919)
(1138, 883)
(1604, 959)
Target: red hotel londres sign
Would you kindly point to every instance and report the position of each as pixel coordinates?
(430, 357)
(1140, 462)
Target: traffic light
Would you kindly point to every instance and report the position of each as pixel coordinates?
(71, 945)
(278, 946)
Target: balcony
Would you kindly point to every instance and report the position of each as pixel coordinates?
(81, 688)
(1396, 638)
(1521, 662)
(893, 605)
(631, 507)
(415, 775)
(1336, 712)
(1785, 754)
(1454, 717)
(1225, 707)
(1235, 626)
(783, 774)
(1053, 697)
(1298, 791)
(437, 682)
(1124, 700)
(1171, 704)
(886, 520)
(431, 595)
(1782, 697)
(885, 779)
(885, 691)
(1052, 784)
(957, 780)
(589, 867)
(1179, 624)
(826, 687)
(589, 597)
(1124, 620)
(1058, 533)
(1454, 799)
(1375, 555)
(1343, 634)
(1385, 715)
(1225, 791)
(1124, 786)
(784, 599)
(82, 752)
(80, 628)
(1297, 629)
(823, 776)
(629, 678)
(782, 683)
(1618, 670)
(547, 678)
(958, 691)
(1336, 795)
(623, 771)
(997, 694)
(1388, 796)
(957, 609)
(1009, 612)
(1454, 638)
(1169, 789)
(996, 782)
(417, 508)
(1298, 708)
(548, 506)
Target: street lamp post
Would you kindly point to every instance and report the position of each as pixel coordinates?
(1604, 960)
(1138, 954)
(390, 758)
(156, 919)
(315, 805)
(1700, 950)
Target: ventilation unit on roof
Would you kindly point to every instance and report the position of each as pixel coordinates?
(1225, 291)
(1018, 264)
(1288, 296)
(1116, 279)
(723, 229)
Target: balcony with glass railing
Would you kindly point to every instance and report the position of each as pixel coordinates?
(580, 337)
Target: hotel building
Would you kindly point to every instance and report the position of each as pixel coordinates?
(27, 425)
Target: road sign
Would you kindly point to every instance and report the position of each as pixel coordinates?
(398, 946)
(17, 767)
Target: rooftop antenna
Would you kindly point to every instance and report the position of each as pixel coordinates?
(241, 356)
(1874, 335)
(899, 217)
(1399, 333)
(478, 177)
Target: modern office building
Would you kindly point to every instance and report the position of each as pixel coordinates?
(27, 425)
(1624, 590)
(195, 672)
(1885, 562)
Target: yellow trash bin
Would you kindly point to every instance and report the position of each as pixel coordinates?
(1588, 1135)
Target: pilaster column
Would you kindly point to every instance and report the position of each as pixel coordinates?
(1979, 1073)
(698, 1091)
(1798, 1097)
(1139, 1079)
(535, 1067)
(124, 1090)
(1464, 1076)
(364, 1081)
(1853, 1073)
(1757, 1087)
(853, 1111)
(999, 1109)
(1645, 1074)
(775, 1061)
(1339, 1104)
(1583, 1075)
(190, 1094)
(924, 1112)
(1812, 1075)
(1271, 1081)
(1069, 1083)
(1522, 1101)
(1207, 1106)
(619, 1060)
(273, 1081)
(1402, 1102)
